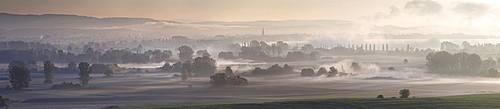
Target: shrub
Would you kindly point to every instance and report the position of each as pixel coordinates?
(287, 68)
(236, 80)
(19, 77)
(229, 71)
(220, 80)
(65, 85)
(355, 66)
(204, 66)
(307, 72)
(380, 96)
(48, 72)
(322, 71)
(258, 71)
(275, 69)
(493, 72)
(392, 69)
(166, 67)
(333, 71)
(84, 74)
(404, 93)
(109, 73)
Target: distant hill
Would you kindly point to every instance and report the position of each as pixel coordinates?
(46, 21)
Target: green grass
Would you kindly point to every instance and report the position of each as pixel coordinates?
(478, 101)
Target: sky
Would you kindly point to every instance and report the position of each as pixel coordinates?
(468, 16)
(213, 10)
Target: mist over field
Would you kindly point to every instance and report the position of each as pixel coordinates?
(158, 54)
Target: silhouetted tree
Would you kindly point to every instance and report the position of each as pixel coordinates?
(307, 48)
(441, 61)
(17, 63)
(236, 80)
(258, 71)
(287, 68)
(204, 66)
(218, 80)
(322, 71)
(355, 66)
(71, 65)
(474, 62)
(226, 55)
(185, 53)
(333, 71)
(166, 67)
(296, 56)
(254, 43)
(3, 102)
(177, 67)
(275, 69)
(444, 62)
(488, 63)
(184, 74)
(84, 74)
(205, 54)
(20, 77)
(48, 70)
(109, 73)
(380, 96)
(201, 52)
(187, 68)
(314, 55)
(493, 72)
(391, 69)
(229, 71)
(404, 93)
(405, 61)
(307, 72)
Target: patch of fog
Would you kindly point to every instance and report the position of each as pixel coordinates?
(224, 62)
(345, 66)
(125, 65)
(367, 71)
(57, 64)
(461, 80)
(401, 73)
(142, 65)
(238, 65)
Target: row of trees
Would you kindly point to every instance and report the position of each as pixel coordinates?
(41, 52)
(461, 63)
(20, 45)
(273, 70)
(458, 63)
(91, 55)
(221, 79)
(20, 76)
(322, 71)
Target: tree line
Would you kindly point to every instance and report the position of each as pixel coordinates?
(460, 63)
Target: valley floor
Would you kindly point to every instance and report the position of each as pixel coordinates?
(161, 89)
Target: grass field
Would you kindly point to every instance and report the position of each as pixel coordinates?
(477, 101)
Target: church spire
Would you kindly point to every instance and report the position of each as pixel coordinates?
(262, 31)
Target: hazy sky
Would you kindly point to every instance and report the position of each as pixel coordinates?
(467, 16)
(218, 10)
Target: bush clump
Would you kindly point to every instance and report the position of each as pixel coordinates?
(380, 96)
(404, 93)
(307, 72)
(221, 80)
(66, 85)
